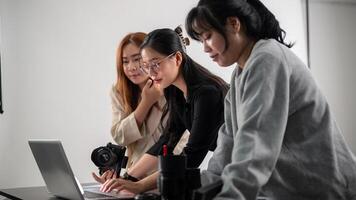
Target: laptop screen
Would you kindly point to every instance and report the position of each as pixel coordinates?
(57, 173)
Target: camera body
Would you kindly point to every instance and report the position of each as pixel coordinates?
(109, 157)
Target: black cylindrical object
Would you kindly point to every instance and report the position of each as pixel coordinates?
(192, 176)
(172, 182)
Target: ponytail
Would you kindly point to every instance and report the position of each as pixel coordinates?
(269, 24)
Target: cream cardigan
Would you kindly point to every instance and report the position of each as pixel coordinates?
(126, 132)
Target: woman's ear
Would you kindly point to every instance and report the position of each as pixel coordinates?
(234, 24)
(179, 58)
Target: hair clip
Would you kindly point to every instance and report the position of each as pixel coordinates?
(184, 40)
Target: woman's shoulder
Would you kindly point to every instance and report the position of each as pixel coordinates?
(115, 95)
(204, 90)
(206, 86)
(270, 47)
(113, 91)
(266, 51)
(161, 102)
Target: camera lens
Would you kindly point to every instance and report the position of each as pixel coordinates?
(110, 157)
(103, 157)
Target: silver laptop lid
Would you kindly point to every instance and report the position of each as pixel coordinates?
(55, 169)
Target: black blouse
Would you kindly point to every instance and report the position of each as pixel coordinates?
(202, 114)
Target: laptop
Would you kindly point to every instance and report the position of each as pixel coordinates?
(58, 175)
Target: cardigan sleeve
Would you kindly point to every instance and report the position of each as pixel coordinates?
(124, 129)
(262, 114)
(224, 145)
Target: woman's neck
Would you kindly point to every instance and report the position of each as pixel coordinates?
(245, 53)
(181, 85)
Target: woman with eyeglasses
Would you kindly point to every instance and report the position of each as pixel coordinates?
(279, 139)
(194, 99)
(137, 105)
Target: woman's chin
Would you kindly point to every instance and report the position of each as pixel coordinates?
(137, 81)
(223, 63)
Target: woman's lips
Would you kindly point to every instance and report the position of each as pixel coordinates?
(157, 80)
(134, 75)
(214, 57)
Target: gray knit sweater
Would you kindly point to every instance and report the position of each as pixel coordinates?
(279, 138)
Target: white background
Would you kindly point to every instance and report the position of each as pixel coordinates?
(59, 64)
(333, 59)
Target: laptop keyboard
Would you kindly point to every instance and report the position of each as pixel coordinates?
(92, 195)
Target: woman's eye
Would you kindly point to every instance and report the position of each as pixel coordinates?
(125, 62)
(204, 37)
(207, 36)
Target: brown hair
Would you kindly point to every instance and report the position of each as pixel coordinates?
(128, 90)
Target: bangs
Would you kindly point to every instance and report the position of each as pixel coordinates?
(199, 20)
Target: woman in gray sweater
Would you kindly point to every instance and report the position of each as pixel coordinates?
(279, 139)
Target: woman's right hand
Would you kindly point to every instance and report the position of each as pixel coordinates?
(107, 175)
(151, 92)
(121, 184)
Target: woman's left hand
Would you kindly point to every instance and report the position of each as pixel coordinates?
(107, 175)
(121, 184)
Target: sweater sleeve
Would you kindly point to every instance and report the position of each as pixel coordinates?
(224, 145)
(262, 113)
(124, 129)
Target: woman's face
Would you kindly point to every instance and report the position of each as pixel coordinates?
(163, 69)
(214, 45)
(131, 64)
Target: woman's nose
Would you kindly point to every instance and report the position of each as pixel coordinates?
(132, 67)
(206, 47)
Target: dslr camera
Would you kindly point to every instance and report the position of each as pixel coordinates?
(109, 157)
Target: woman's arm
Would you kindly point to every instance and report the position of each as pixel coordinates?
(222, 153)
(146, 164)
(207, 118)
(149, 161)
(151, 93)
(262, 110)
(126, 130)
(146, 184)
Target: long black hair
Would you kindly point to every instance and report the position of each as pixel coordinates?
(167, 41)
(257, 20)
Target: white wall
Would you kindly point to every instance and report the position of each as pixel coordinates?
(333, 47)
(58, 66)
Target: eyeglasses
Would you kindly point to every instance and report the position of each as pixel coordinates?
(132, 63)
(153, 66)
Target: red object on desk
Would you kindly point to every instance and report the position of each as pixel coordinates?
(165, 150)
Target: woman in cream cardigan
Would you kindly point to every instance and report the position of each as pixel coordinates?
(137, 104)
